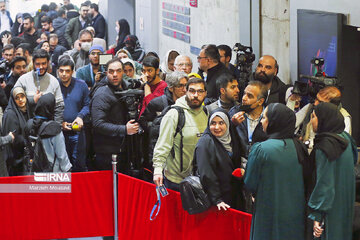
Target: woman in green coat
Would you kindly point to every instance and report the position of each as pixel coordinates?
(274, 175)
(332, 200)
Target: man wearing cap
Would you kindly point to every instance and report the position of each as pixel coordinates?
(91, 72)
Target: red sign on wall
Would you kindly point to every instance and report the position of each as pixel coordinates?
(193, 3)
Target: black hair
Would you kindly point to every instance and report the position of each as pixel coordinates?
(212, 52)
(151, 61)
(44, 8)
(70, 6)
(28, 16)
(64, 61)
(16, 41)
(226, 49)
(40, 53)
(25, 47)
(154, 54)
(46, 19)
(8, 47)
(15, 60)
(95, 7)
(52, 6)
(223, 80)
(194, 81)
(60, 12)
(84, 4)
(113, 61)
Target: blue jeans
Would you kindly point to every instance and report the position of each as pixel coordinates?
(75, 148)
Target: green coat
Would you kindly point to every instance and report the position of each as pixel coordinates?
(333, 197)
(73, 29)
(274, 176)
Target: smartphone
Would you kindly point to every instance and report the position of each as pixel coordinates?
(163, 191)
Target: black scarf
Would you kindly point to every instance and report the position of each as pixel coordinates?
(330, 124)
(282, 126)
(43, 123)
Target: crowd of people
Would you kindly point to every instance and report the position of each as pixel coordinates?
(164, 121)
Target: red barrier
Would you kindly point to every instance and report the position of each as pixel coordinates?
(135, 202)
(86, 211)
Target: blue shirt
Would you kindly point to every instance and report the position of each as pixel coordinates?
(76, 100)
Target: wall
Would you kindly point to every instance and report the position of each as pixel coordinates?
(275, 34)
(213, 21)
(350, 7)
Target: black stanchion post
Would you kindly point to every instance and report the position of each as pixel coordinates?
(114, 162)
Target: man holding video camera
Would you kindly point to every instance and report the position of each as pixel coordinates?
(109, 118)
(91, 73)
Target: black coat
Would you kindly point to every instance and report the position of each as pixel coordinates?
(158, 104)
(212, 75)
(15, 120)
(109, 118)
(242, 130)
(215, 167)
(99, 25)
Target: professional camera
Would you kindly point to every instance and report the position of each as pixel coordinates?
(4, 69)
(314, 83)
(244, 60)
(134, 83)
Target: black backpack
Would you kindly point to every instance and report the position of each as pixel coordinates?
(155, 130)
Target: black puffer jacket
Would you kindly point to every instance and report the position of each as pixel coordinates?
(158, 104)
(109, 118)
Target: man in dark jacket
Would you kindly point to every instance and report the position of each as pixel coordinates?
(248, 125)
(108, 113)
(266, 72)
(56, 50)
(31, 35)
(18, 68)
(60, 24)
(75, 25)
(209, 63)
(98, 21)
(225, 58)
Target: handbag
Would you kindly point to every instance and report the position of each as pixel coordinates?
(193, 197)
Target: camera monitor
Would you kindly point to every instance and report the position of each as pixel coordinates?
(104, 58)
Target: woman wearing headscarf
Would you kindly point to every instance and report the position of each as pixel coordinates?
(52, 138)
(18, 27)
(274, 174)
(122, 29)
(16, 114)
(335, 153)
(167, 66)
(217, 153)
(129, 68)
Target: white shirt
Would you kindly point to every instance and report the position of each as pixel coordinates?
(5, 22)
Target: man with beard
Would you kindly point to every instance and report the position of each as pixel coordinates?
(18, 68)
(109, 121)
(5, 19)
(172, 160)
(153, 85)
(227, 86)
(266, 72)
(31, 35)
(97, 21)
(91, 73)
(247, 116)
(76, 24)
(36, 83)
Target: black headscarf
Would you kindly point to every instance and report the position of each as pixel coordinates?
(281, 121)
(44, 112)
(123, 32)
(330, 124)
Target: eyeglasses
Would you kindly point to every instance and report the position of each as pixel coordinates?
(198, 57)
(184, 64)
(199, 91)
(180, 86)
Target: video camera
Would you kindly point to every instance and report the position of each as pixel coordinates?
(4, 69)
(244, 60)
(315, 83)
